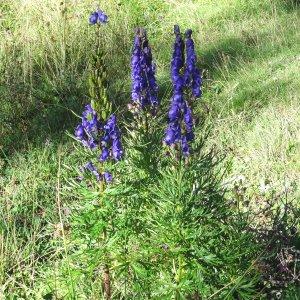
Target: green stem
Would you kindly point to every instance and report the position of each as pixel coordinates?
(106, 272)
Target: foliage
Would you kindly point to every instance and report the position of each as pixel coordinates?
(165, 233)
(171, 231)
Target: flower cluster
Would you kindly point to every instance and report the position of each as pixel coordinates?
(98, 17)
(180, 127)
(111, 140)
(177, 62)
(144, 86)
(185, 75)
(88, 131)
(192, 75)
(90, 167)
(93, 134)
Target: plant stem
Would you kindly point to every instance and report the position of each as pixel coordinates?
(106, 283)
(106, 274)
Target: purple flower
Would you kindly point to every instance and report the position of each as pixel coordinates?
(92, 143)
(106, 137)
(117, 149)
(173, 133)
(88, 131)
(185, 147)
(104, 154)
(92, 134)
(150, 73)
(174, 112)
(188, 118)
(79, 132)
(192, 75)
(90, 167)
(98, 17)
(197, 83)
(144, 86)
(93, 18)
(111, 138)
(177, 62)
(180, 127)
(107, 177)
(90, 119)
(179, 114)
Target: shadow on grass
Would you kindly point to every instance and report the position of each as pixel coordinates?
(38, 122)
(291, 5)
(281, 272)
(49, 114)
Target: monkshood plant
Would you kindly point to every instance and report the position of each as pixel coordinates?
(192, 233)
(154, 223)
(100, 137)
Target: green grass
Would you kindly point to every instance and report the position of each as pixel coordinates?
(249, 51)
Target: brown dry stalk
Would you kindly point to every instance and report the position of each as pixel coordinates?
(106, 283)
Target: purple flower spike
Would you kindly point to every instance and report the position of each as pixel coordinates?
(173, 133)
(184, 76)
(188, 119)
(96, 135)
(197, 83)
(117, 149)
(177, 62)
(144, 86)
(174, 112)
(192, 75)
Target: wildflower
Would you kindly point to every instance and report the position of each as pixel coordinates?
(144, 86)
(111, 139)
(188, 121)
(185, 146)
(79, 132)
(94, 135)
(150, 72)
(107, 177)
(98, 17)
(104, 154)
(90, 167)
(88, 131)
(173, 133)
(180, 127)
(177, 62)
(192, 75)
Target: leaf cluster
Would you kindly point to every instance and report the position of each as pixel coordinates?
(164, 227)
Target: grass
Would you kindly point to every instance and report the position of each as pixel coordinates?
(249, 51)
